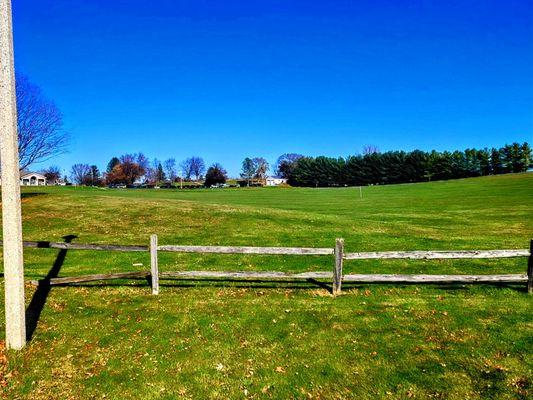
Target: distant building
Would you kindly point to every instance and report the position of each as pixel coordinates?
(275, 181)
(32, 179)
(58, 182)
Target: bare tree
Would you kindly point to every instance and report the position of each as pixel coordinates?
(80, 173)
(40, 124)
(155, 173)
(261, 167)
(193, 166)
(53, 174)
(170, 168)
(142, 161)
(198, 167)
(186, 169)
(151, 171)
(370, 149)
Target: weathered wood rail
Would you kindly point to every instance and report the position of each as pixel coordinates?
(437, 255)
(336, 275)
(248, 250)
(83, 246)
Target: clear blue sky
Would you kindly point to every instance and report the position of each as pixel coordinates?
(229, 79)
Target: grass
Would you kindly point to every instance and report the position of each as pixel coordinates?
(236, 340)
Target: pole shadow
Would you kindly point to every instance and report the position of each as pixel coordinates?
(38, 301)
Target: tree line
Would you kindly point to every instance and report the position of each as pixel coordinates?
(370, 168)
(375, 168)
(130, 169)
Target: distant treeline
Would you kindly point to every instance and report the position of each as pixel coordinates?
(375, 168)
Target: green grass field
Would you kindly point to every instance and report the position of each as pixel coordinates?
(283, 341)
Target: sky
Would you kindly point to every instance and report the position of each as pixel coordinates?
(229, 79)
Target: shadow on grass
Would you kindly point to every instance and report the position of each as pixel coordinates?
(309, 284)
(520, 287)
(30, 195)
(38, 301)
(192, 283)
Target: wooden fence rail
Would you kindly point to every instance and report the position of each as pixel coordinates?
(437, 255)
(336, 276)
(248, 250)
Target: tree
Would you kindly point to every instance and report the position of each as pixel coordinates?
(52, 173)
(496, 163)
(112, 164)
(142, 161)
(248, 169)
(186, 169)
(193, 167)
(370, 149)
(131, 167)
(160, 174)
(198, 167)
(94, 178)
(116, 176)
(286, 163)
(526, 156)
(39, 123)
(170, 168)
(516, 157)
(154, 173)
(215, 175)
(80, 173)
(483, 157)
(261, 168)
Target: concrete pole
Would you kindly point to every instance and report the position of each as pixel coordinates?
(11, 210)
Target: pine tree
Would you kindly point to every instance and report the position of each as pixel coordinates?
(112, 164)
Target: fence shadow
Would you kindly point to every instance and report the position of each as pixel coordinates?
(206, 282)
(307, 284)
(450, 287)
(38, 300)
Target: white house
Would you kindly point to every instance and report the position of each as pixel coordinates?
(32, 179)
(275, 181)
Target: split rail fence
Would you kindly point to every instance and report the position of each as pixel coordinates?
(336, 275)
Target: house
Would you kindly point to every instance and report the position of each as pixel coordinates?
(32, 179)
(275, 181)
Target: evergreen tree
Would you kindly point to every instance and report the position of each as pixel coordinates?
(496, 163)
(112, 164)
(526, 156)
(215, 175)
(94, 178)
(160, 173)
(414, 166)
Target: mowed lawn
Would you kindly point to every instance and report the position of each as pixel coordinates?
(240, 340)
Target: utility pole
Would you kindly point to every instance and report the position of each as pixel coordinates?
(11, 209)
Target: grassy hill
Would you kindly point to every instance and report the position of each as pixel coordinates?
(235, 340)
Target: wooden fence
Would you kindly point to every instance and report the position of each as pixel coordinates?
(336, 275)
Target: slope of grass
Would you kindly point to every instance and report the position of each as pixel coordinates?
(236, 340)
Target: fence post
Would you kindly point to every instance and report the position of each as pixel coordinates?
(530, 269)
(153, 264)
(337, 270)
